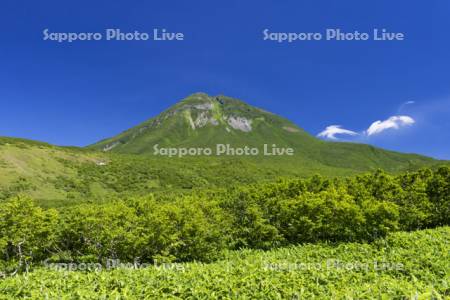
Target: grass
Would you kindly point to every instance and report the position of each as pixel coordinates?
(32, 167)
(409, 266)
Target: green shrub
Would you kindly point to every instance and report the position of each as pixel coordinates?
(27, 232)
(200, 225)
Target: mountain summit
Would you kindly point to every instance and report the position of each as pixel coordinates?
(201, 120)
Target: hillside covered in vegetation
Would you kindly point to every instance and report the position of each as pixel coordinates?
(62, 176)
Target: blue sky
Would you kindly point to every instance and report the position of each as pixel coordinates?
(78, 93)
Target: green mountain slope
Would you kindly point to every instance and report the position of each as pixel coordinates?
(60, 176)
(204, 121)
(125, 164)
(35, 168)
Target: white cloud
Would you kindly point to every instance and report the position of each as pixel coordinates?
(394, 122)
(409, 102)
(331, 131)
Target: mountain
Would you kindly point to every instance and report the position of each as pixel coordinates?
(126, 165)
(202, 121)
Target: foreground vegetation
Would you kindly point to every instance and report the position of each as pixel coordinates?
(203, 225)
(402, 266)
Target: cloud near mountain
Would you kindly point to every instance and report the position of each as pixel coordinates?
(331, 131)
(377, 127)
(394, 122)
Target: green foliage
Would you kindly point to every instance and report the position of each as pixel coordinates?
(250, 226)
(199, 226)
(182, 230)
(402, 266)
(439, 192)
(103, 231)
(26, 231)
(327, 215)
(204, 225)
(144, 229)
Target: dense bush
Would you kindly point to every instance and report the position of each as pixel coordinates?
(27, 232)
(201, 225)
